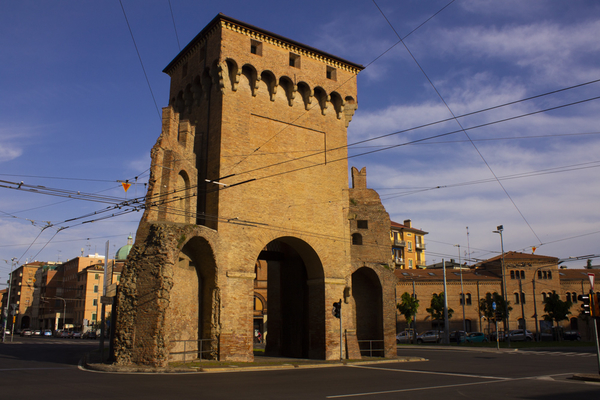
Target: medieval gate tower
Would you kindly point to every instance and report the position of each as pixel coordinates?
(249, 173)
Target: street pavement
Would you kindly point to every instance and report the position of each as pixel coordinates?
(51, 368)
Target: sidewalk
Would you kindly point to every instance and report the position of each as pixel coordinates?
(261, 363)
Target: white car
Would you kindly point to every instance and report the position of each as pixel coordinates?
(520, 335)
(404, 337)
(429, 337)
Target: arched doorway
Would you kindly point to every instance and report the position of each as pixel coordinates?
(295, 299)
(367, 294)
(190, 315)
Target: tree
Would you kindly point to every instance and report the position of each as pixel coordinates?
(556, 309)
(408, 307)
(437, 308)
(487, 310)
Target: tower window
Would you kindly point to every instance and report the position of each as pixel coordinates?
(294, 60)
(356, 239)
(331, 73)
(256, 47)
(362, 224)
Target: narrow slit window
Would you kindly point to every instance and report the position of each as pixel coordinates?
(294, 60)
(331, 73)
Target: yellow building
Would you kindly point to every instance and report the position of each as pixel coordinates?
(408, 245)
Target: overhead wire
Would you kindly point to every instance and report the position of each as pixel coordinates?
(460, 125)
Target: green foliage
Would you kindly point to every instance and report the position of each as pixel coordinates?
(486, 309)
(408, 307)
(556, 309)
(181, 240)
(437, 308)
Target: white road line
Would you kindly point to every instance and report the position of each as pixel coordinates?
(430, 372)
(496, 380)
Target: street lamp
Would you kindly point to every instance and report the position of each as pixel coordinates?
(499, 230)
(12, 264)
(462, 292)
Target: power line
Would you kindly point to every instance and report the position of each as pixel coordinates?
(141, 62)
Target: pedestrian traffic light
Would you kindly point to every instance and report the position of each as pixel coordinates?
(337, 309)
(585, 303)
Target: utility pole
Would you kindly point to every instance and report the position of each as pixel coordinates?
(446, 324)
(499, 230)
(462, 292)
(12, 264)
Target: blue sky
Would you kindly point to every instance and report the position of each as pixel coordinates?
(76, 113)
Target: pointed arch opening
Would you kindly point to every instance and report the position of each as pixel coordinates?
(368, 297)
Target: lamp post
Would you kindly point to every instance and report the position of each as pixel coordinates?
(499, 230)
(462, 292)
(12, 264)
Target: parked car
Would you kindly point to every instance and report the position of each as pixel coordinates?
(26, 332)
(47, 332)
(520, 335)
(37, 332)
(571, 335)
(457, 336)
(404, 337)
(429, 337)
(90, 334)
(476, 337)
(64, 334)
(76, 335)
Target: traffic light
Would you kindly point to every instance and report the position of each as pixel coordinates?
(337, 309)
(498, 316)
(585, 303)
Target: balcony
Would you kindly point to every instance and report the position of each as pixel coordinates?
(420, 263)
(420, 246)
(399, 261)
(399, 243)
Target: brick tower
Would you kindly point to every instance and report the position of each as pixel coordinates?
(249, 172)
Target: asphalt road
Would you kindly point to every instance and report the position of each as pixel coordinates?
(39, 368)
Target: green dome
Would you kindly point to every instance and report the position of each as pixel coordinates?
(124, 251)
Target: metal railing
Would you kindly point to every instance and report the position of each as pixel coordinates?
(370, 347)
(197, 351)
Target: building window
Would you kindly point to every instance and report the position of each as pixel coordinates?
(469, 299)
(331, 73)
(97, 277)
(549, 274)
(545, 274)
(539, 274)
(93, 317)
(95, 288)
(294, 60)
(362, 224)
(95, 302)
(410, 264)
(356, 239)
(574, 297)
(512, 274)
(516, 298)
(409, 245)
(522, 298)
(522, 274)
(256, 47)
(543, 296)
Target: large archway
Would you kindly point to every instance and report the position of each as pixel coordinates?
(367, 294)
(189, 317)
(295, 299)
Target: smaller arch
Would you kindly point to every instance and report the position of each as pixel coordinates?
(338, 104)
(357, 239)
(349, 109)
(206, 82)
(188, 98)
(233, 73)
(179, 103)
(197, 91)
(322, 99)
(306, 93)
(250, 73)
(289, 88)
(269, 79)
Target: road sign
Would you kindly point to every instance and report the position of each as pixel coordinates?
(494, 306)
(591, 276)
(106, 300)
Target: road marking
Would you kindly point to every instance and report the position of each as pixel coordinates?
(494, 380)
(430, 372)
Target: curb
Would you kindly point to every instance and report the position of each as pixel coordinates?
(112, 368)
(586, 377)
